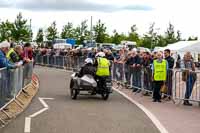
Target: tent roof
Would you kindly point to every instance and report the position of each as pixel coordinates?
(183, 46)
(61, 45)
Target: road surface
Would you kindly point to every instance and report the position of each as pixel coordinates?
(87, 114)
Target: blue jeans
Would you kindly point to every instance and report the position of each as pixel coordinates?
(189, 86)
(137, 78)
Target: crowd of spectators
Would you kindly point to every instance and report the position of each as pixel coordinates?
(133, 63)
(15, 56)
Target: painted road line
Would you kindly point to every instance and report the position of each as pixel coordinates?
(43, 102)
(39, 112)
(27, 127)
(152, 117)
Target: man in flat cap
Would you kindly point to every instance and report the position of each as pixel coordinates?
(4, 62)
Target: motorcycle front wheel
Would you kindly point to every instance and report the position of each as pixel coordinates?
(73, 92)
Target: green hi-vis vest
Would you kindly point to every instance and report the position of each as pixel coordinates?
(9, 53)
(160, 70)
(103, 67)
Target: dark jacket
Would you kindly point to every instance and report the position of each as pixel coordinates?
(110, 57)
(87, 69)
(135, 60)
(146, 62)
(170, 61)
(14, 57)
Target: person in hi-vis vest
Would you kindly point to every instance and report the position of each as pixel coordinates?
(159, 69)
(103, 67)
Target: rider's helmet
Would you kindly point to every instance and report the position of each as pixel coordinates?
(100, 54)
(88, 60)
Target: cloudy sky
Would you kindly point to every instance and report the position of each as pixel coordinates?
(116, 14)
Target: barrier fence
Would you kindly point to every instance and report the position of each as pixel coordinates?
(187, 85)
(68, 62)
(138, 78)
(12, 81)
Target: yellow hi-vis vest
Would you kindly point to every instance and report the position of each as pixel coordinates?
(103, 67)
(160, 70)
(9, 52)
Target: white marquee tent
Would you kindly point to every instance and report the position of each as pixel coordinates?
(62, 45)
(184, 46)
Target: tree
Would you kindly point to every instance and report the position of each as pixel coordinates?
(150, 39)
(40, 36)
(51, 33)
(100, 32)
(81, 32)
(170, 34)
(6, 29)
(67, 31)
(192, 38)
(21, 30)
(178, 37)
(117, 38)
(133, 35)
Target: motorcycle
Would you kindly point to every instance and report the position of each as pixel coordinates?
(88, 83)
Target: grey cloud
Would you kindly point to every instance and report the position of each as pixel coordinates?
(73, 5)
(5, 3)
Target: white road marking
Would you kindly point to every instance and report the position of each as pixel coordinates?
(152, 117)
(43, 102)
(27, 126)
(39, 112)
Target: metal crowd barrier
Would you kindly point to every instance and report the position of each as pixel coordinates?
(138, 77)
(67, 62)
(133, 77)
(187, 85)
(12, 81)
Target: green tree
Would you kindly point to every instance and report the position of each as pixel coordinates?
(161, 41)
(192, 38)
(40, 36)
(21, 31)
(67, 31)
(108, 38)
(81, 32)
(170, 34)
(178, 37)
(133, 35)
(150, 39)
(100, 32)
(51, 33)
(117, 38)
(6, 29)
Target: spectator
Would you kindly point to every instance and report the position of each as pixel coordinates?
(91, 54)
(15, 55)
(170, 62)
(128, 67)
(27, 54)
(189, 76)
(4, 62)
(137, 73)
(159, 70)
(146, 61)
(109, 55)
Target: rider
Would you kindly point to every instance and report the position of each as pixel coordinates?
(103, 67)
(88, 68)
